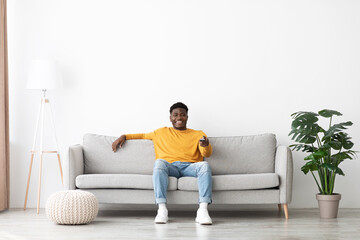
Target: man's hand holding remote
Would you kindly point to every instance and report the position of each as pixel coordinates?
(204, 141)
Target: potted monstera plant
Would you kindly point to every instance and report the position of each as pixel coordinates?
(326, 149)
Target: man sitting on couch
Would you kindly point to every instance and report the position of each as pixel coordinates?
(179, 152)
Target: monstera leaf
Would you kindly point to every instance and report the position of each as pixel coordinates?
(344, 139)
(341, 156)
(309, 166)
(329, 113)
(336, 128)
(316, 155)
(304, 127)
(303, 147)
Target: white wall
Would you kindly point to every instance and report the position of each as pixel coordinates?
(242, 67)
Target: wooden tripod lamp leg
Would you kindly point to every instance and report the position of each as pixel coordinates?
(28, 181)
(61, 172)
(51, 116)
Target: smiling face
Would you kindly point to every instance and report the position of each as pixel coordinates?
(178, 118)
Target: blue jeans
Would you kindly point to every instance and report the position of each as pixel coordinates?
(164, 169)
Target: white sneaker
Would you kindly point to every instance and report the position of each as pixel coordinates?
(162, 216)
(202, 217)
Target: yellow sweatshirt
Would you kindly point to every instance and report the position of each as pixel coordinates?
(176, 145)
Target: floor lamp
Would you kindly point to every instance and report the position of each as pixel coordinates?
(43, 75)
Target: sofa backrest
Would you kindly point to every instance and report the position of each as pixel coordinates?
(136, 156)
(231, 155)
(242, 155)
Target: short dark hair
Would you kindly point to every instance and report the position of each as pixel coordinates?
(178, 105)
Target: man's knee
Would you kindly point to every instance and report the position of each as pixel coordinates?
(160, 164)
(204, 167)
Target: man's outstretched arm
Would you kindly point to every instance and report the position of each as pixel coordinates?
(121, 140)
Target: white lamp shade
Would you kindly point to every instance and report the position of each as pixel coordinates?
(43, 74)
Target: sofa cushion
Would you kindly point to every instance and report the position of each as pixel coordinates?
(243, 155)
(135, 157)
(130, 181)
(233, 182)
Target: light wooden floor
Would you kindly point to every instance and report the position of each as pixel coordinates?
(250, 224)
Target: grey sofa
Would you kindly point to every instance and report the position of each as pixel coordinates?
(246, 170)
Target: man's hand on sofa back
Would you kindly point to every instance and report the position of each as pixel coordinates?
(118, 142)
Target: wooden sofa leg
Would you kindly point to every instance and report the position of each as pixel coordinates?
(279, 207)
(286, 211)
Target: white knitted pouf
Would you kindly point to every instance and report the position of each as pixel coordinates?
(72, 207)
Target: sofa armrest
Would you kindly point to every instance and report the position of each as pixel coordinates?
(284, 168)
(73, 166)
